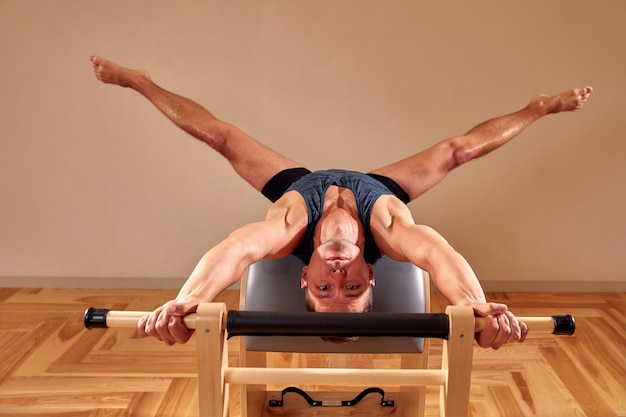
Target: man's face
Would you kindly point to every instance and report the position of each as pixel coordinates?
(338, 278)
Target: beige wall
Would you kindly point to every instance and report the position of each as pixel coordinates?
(96, 184)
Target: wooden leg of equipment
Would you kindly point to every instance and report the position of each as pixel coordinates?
(212, 351)
(414, 397)
(252, 395)
(457, 361)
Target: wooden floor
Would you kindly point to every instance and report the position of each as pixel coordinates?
(51, 366)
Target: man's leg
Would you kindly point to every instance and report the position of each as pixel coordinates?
(253, 161)
(420, 172)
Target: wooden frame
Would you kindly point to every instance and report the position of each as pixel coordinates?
(215, 376)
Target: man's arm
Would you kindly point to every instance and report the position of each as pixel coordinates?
(400, 238)
(223, 265)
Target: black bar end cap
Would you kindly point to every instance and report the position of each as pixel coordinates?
(564, 325)
(96, 318)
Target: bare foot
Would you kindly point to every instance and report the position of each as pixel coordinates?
(569, 100)
(112, 73)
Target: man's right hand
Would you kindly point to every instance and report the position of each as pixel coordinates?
(166, 323)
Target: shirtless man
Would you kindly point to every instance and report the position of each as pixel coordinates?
(339, 222)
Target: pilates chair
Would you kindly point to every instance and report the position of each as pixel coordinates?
(401, 290)
(274, 285)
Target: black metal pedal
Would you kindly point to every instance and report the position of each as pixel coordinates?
(348, 403)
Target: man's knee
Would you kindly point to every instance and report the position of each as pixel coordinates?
(217, 134)
(452, 153)
(461, 155)
(457, 152)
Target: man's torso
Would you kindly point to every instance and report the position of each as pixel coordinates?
(325, 193)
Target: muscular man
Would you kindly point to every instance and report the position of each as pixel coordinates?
(339, 222)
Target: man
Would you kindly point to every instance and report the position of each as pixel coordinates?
(338, 221)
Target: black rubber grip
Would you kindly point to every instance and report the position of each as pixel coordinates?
(261, 323)
(564, 325)
(96, 318)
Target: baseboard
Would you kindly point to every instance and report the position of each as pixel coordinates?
(176, 283)
(92, 283)
(554, 286)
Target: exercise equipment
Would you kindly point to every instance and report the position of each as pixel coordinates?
(214, 325)
(247, 323)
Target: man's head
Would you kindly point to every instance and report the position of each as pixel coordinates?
(338, 279)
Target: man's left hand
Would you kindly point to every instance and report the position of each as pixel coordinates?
(501, 326)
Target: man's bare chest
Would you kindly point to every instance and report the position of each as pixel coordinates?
(339, 198)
